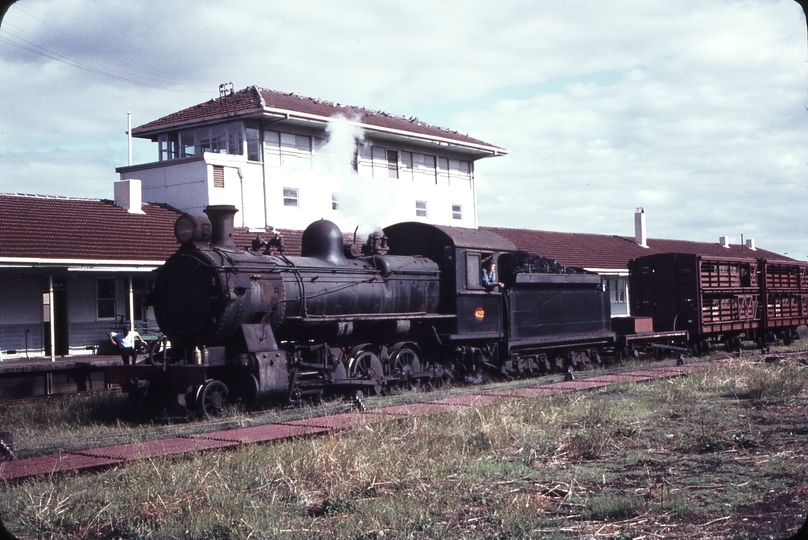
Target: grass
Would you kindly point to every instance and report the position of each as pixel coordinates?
(719, 454)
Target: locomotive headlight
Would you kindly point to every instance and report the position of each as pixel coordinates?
(190, 228)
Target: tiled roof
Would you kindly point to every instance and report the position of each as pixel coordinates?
(582, 250)
(254, 101)
(51, 227)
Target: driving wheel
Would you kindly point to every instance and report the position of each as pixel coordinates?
(404, 362)
(365, 364)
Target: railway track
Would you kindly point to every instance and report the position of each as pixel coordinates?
(272, 426)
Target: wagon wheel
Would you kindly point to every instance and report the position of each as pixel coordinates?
(210, 397)
(365, 364)
(404, 362)
(433, 361)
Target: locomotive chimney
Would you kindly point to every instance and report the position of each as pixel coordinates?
(639, 228)
(221, 221)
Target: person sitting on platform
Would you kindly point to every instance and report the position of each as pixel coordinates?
(126, 343)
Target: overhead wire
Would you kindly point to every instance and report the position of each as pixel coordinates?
(18, 38)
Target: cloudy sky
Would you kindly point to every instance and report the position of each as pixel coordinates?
(695, 111)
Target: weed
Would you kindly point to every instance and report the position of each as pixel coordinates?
(593, 432)
(626, 431)
(770, 385)
(712, 444)
(605, 507)
(744, 441)
(122, 530)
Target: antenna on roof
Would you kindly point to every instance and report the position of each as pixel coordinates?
(225, 89)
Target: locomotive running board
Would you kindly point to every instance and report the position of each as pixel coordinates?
(553, 342)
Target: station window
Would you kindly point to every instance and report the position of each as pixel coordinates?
(334, 202)
(457, 211)
(290, 197)
(616, 288)
(620, 292)
(420, 209)
(106, 298)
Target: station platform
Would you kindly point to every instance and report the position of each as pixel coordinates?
(40, 376)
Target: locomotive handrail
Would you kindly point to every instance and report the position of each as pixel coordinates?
(374, 316)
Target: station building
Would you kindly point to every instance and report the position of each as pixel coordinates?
(71, 269)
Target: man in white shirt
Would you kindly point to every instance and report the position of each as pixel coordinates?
(126, 343)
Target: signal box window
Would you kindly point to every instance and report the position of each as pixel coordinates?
(385, 162)
(253, 144)
(288, 150)
(420, 209)
(290, 197)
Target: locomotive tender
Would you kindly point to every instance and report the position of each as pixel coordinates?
(408, 307)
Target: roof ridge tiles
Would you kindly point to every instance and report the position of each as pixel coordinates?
(254, 100)
(339, 105)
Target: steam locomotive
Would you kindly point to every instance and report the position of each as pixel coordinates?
(408, 307)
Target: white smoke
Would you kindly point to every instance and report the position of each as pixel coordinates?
(339, 149)
(361, 203)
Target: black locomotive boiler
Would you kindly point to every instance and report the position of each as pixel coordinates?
(407, 307)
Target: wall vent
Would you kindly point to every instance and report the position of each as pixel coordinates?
(218, 176)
